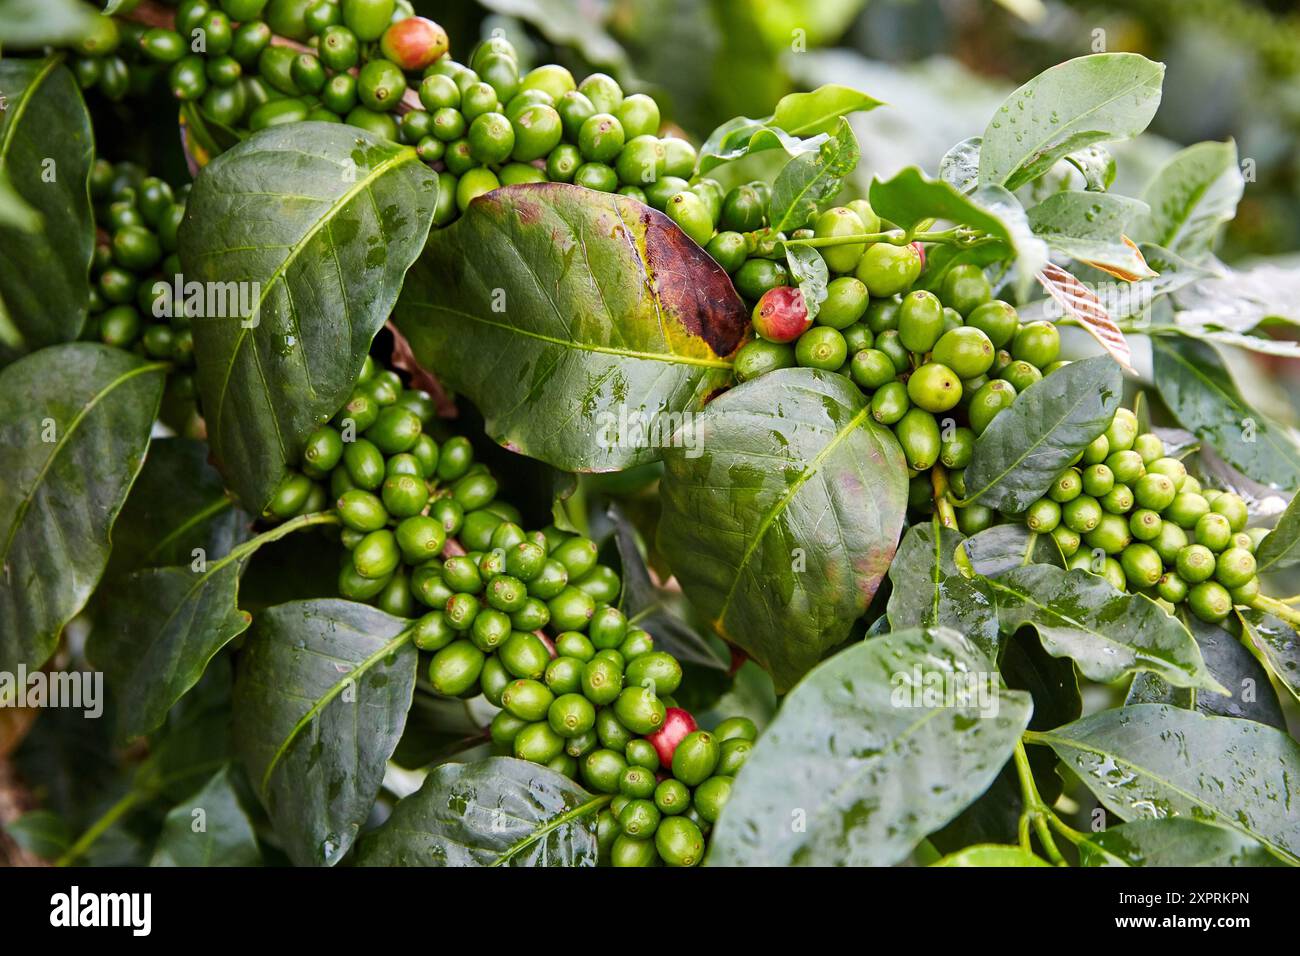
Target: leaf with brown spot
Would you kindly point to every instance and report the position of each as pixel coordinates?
(582, 324)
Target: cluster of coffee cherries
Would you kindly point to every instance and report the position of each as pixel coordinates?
(137, 217)
(1127, 511)
(938, 368)
(528, 619)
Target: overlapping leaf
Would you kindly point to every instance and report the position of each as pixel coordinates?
(783, 524)
(304, 234)
(1154, 760)
(496, 812)
(74, 425)
(863, 763)
(1024, 448)
(1191, 197)
(46, 150)
(320, 702)
(929, 590)
(582, 325)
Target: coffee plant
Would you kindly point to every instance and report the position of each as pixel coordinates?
(461, 466)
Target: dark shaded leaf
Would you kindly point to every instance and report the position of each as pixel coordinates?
(1108, 633)
(496, 812)
(208, 829)
(320, 702)
(648, 605)
(312, 227)
(74, 424)
(1232, 665)
(178, 503)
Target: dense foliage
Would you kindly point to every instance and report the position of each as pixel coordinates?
(464, 468)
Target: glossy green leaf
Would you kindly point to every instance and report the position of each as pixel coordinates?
(1277, 644)
(46, 150)
(582, 327)
(30, 24)
(320, 702)
(1154, 760)
(991, 854)
(1173, 841)
(1087, 100)
(928, 589)
(810, 182)
(1198, 388)
(998, 549)
(496, 812)
(162, 625)
(1024, 448)
(1281, 546)
(1108, 633)
(208, 829)
(177, 504)
(1091, 228)
(306, 233)
(800, 124)
(74, 426)
(819, 111)
(858, 767)
(1232, 665)
(1191, 197)
(781, 527)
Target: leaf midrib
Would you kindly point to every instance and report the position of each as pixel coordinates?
(1029, 599)
(671, 358)
(402, 157)
(73, 425)
(577, 813)
(333, 691)
(782, 502)
(1050, 738)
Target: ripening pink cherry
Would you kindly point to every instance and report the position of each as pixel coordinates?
(780, 315)
(414, 43)
(677, 725)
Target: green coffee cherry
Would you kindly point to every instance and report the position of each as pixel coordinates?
(455, 669)
(640, 711)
